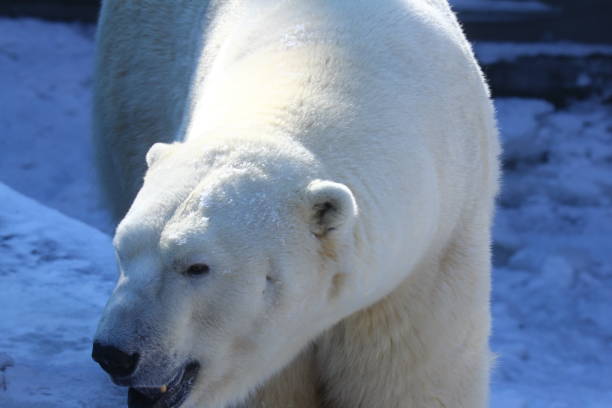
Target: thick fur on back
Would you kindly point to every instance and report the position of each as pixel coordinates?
(389, 100)
(147, 54)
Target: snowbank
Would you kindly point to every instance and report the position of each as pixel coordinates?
(55, 276)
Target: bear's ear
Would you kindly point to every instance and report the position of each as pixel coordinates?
(157, 151)
(332, 207)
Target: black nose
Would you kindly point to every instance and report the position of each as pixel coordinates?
(114, 361)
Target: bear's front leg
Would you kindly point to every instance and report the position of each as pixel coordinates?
(296, 386)
(425, 345)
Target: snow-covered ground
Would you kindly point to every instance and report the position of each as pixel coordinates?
(552, 299)
(552, 290)
(55, 276)
(45, 85)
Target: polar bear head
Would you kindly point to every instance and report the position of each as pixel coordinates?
(232, 258)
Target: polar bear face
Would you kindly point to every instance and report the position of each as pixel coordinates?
(230, 263)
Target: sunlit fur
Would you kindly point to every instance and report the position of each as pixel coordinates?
(334, 162)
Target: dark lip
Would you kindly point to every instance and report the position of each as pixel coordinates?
(173, 397)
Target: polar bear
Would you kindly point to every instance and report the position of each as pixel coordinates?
(305, 190)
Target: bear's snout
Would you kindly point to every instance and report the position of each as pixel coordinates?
(115, 362)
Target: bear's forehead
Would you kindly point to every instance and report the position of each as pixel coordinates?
(228, 205)
(244, 200)
(234, 196)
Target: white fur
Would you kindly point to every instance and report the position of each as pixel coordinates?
(335, 163)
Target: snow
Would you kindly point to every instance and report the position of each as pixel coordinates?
(552, 292)
(491, 52)
(552, 289)
(55, 275)
(520, 6)
(45, 85)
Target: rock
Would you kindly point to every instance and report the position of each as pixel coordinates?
(67, 10)
(5, 361)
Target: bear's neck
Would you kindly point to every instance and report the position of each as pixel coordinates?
(261, 81)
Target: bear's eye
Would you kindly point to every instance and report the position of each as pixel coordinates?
(197, 270)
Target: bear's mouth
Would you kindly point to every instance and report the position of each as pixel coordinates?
(170, 395)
